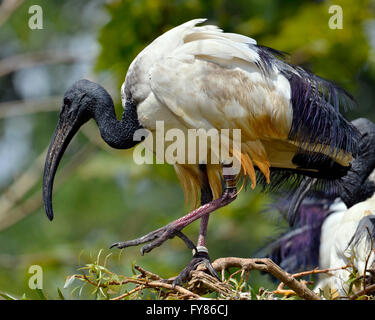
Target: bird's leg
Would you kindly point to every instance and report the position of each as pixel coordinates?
(203, 231)
(200, 256)
(174, 228)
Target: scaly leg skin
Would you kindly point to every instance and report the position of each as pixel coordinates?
(159, 236)
(200, 256)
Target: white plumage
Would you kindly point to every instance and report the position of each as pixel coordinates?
(346, 241)
(198, 77)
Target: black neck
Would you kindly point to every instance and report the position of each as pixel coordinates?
(117, 133)
(355, 186)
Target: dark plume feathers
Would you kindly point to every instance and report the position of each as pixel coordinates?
(316, 102)
(298, 249)
(316, 120)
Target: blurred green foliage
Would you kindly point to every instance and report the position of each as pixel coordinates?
(299, 28)
(108, 198)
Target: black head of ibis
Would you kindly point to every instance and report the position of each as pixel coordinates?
(83, 101)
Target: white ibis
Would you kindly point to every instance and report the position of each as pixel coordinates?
(199, 77)
(331, 236)
(347, 240)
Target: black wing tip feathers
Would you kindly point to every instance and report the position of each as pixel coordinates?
(315, 102)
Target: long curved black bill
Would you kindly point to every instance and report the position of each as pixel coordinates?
(64, 133)
(298, 196)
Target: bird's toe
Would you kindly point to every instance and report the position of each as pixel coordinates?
(199, 257)
(156, 239)
(135, 242)
(168, 232)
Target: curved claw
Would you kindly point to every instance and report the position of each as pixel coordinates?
(198, 258)
(211, 269)
(116, 244)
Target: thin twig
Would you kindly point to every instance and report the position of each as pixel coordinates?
(314, 271)
(235, 273)
(143, 283)
(203, 282)
(159, 284)
(369, 289)
(147, 274)
(103, 285)
(367, 260)
(126, 294)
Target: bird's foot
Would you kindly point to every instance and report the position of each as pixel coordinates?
(159, 236)
(156, 239)
(200, 256)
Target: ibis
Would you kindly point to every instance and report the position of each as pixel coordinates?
(199, 77)
(336, 229)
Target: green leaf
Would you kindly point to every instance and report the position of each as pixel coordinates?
(106, 259)
(61, 296)
(41, 294)
(7, 296)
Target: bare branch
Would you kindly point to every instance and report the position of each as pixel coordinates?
(266, 265)
(126, 294)
(314, 271)
(7, 7)
(147, 274)
(18, 108)
(201, 281)
(142, 284)
(27, 60)
(365, 291)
